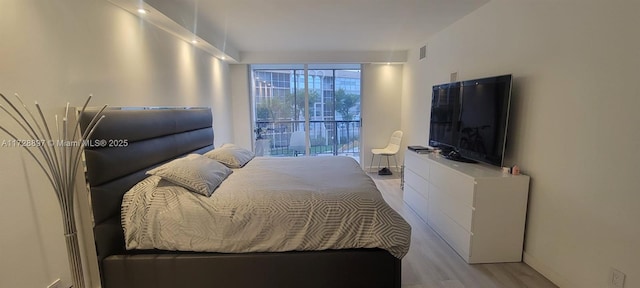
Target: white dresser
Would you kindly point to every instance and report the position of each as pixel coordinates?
(477, 209)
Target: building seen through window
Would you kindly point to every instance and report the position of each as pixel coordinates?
(334, 110)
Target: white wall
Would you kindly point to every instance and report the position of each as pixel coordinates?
(241, 105)
(380, 109)
(574, 123)
(288, 57)
(59, 51)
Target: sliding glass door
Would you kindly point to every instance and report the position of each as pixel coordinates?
(291, 120)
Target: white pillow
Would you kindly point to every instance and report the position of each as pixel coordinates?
(194, 172)
(231, 155)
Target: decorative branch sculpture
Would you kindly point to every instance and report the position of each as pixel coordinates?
(58, 153)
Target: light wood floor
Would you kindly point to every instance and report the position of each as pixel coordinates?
(431, 263)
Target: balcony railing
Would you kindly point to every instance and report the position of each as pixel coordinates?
(325, 138)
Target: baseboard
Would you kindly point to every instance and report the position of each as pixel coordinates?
(546, 271)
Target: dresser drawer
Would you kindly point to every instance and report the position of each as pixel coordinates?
(458, 238)
(416, 202)
(417, 164)
(454, 209)
(452, 183)
(416, 182)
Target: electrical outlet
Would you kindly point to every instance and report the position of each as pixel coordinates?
(55, 284)
(616, 279)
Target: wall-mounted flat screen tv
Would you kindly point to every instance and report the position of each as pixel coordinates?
(478, 130)
(445, 114)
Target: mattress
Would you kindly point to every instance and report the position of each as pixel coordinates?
(269, 205)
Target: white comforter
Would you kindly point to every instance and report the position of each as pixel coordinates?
(271, 204)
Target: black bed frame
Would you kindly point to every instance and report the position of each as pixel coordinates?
(139, 139)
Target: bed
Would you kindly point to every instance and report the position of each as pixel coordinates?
(131, 142)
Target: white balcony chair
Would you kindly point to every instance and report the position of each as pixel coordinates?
(297, 142)
(391, 150)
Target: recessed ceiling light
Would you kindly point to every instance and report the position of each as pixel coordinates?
(194, 41)
(143, 11)
(223, 57)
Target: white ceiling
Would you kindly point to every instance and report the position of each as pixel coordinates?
(316, 25)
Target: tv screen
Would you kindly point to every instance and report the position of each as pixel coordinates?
(443, 128)
(484, 113)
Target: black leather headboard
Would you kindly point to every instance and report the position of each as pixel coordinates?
(123, 147)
